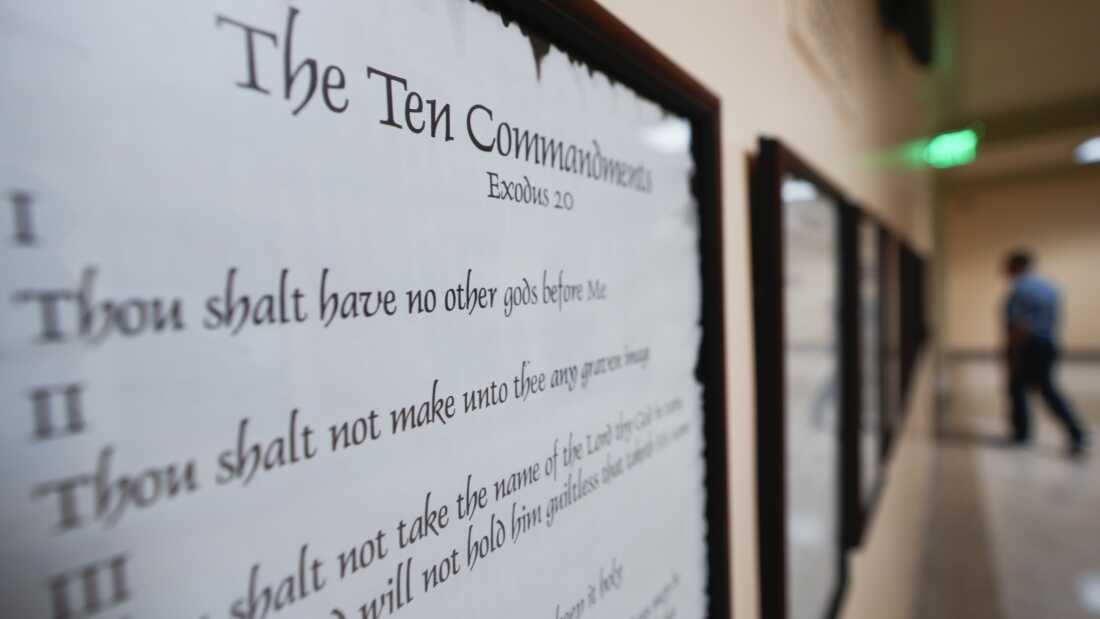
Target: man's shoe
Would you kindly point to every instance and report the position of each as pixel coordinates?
(1079, 448)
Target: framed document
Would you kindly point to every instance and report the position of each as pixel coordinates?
(904, 328)
(801, 227)
(866, 446)
(891, 330)
(357, 309)
(914, 329)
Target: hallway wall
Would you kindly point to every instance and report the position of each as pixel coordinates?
(885, 573)
(1057, 218)
(744, 51)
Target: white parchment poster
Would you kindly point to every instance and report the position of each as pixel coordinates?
(340, 309)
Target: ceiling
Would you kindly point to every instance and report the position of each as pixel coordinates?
(1026, 73)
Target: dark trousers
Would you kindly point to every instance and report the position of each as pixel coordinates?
(1034, 369)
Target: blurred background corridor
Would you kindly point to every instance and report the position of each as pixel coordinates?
(1014, 532)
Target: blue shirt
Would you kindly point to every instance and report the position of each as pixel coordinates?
(1033, 305)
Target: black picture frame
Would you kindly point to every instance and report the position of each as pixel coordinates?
(906, 276)
(860, 503)
(903, 332)
(890, 339)
(856, 504)
(591, 34)
(772, 162)
(914, 320)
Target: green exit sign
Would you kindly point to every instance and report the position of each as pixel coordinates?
(945, 150)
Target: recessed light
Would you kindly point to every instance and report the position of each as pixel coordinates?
(1088, 151)
(1088, 584)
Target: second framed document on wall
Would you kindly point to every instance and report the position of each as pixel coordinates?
(799, 232)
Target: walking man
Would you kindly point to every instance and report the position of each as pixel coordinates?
(1031, 320)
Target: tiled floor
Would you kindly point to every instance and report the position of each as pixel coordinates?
(1014, 532)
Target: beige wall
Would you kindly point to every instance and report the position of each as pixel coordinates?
(744, 52)
(885, 573)
(1058, 218)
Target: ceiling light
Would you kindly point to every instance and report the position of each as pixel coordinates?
(1088, 151)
